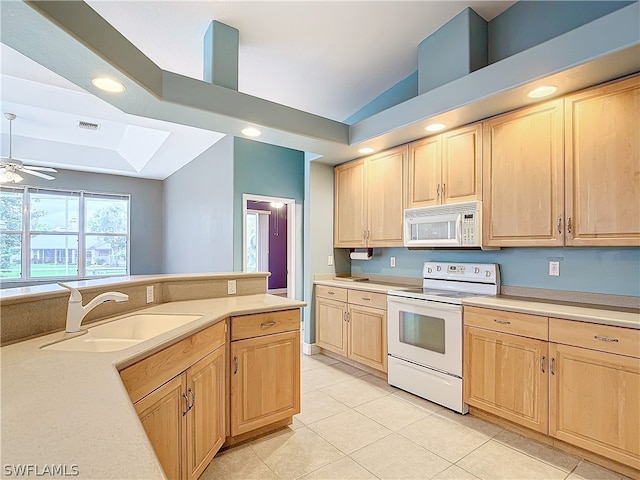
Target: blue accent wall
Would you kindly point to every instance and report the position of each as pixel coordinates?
(613, 271)
(263, 169)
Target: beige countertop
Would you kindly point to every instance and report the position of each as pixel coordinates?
(369, 286)
(70, 408)
(622, 317)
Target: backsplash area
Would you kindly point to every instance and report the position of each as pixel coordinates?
(614, 271)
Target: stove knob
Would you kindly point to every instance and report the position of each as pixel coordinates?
(438, 268)
(487, 273)
(429, 270)
(476, 270)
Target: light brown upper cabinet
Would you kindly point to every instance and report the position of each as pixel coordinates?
(369, 198)
(566, 172)
(602, 165)
(446, 168)
(522, 178)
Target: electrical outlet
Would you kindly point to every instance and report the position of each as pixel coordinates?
(554, 269)
(330, 260)
(393, 261)
(150, 294)
(231, 287)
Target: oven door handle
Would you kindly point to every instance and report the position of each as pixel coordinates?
(414, 302)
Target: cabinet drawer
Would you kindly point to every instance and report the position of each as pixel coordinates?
(368, 299)
(606, 338)
(259, 324)
(143, 377)
(533, 326)
(333, 293)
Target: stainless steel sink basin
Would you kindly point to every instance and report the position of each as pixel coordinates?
(123, 333)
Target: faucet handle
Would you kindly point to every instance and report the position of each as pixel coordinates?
(76, 296)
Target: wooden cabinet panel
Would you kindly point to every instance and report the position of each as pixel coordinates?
(462, 165)
(368, 336)
(350, 205)
(331, 327)
(206, 419)
(161, 414)
(506, 375)
(523, 177)
(265, 380)
(368, 299)
(606, 338)
(332, 293)
(425, 163)
(257, 324)
(595, 402)
(602, 161)
(385, 198)
(523, 324)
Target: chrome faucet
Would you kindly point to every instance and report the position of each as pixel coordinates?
(76, 312)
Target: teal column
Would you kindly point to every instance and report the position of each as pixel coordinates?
(221, 55)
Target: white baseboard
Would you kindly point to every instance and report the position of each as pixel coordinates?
(310, 348)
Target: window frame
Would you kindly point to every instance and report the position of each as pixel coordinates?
(82, 233)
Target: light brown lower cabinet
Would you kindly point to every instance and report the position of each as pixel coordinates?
(353, 323)
(265, 369)
(587, 377)
(179, 394)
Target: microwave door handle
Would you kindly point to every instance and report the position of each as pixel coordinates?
(459, 230)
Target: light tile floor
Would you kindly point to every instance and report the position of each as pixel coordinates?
(353, 425)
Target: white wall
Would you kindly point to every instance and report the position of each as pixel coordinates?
(198, 213)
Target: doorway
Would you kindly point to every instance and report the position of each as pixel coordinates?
(268, 243)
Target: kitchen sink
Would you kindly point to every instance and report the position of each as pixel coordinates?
(123, 333)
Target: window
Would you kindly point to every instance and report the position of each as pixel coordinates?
(59, 234)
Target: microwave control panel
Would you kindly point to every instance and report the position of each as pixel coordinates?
(469, 229)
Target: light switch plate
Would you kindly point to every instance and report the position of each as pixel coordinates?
(330, 260)
(393, 261)
(150, 294)
(554, 269)
(231, 287)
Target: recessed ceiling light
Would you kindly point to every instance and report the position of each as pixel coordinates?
(542, 91)
(108, 84)
(251, 132)
(435, 127)
(366, 150)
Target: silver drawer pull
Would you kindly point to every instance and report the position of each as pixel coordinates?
(542, 363)
(366, 299)
(605, 339)
(267, 324)
(331, 293)
(502, 322)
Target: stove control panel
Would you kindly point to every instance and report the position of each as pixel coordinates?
(468, 272)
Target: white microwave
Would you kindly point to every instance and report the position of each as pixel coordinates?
(455, 225)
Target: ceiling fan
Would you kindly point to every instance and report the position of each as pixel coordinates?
(9, 167)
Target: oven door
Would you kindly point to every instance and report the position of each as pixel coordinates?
(425, 332)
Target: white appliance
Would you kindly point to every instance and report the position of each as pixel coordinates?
(425, 329)
(456, 225)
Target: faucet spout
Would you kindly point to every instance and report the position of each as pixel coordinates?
(76, 312)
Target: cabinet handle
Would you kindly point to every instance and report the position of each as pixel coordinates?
(331, 293)
(542, 363)
(559, 224)
(438, 190)
(444, 185)
(267, 324)
(605, 339)
(502, 322)
(193, 397)
(552, 366)
(235, 364)
(366, 299)
(186, 399)
(346, 316)
(569, 225)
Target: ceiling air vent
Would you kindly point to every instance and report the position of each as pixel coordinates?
(88, 125)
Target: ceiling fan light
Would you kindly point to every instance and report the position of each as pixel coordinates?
(10, 177)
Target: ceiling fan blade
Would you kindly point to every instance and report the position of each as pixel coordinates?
(39, 169)
(38, 174)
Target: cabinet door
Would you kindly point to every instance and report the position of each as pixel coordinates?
(331, 325)
(350, 212)
(206, 418)
(424, 172)
(523, 178)
(462, 165)
(506, 375)
(603, 165)
(162, 415)
(595, 402)
(385, 198)
(265, 380)
(368, 336)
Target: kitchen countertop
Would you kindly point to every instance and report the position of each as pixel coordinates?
(367, 285)
(622, 317)
(71, 408)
